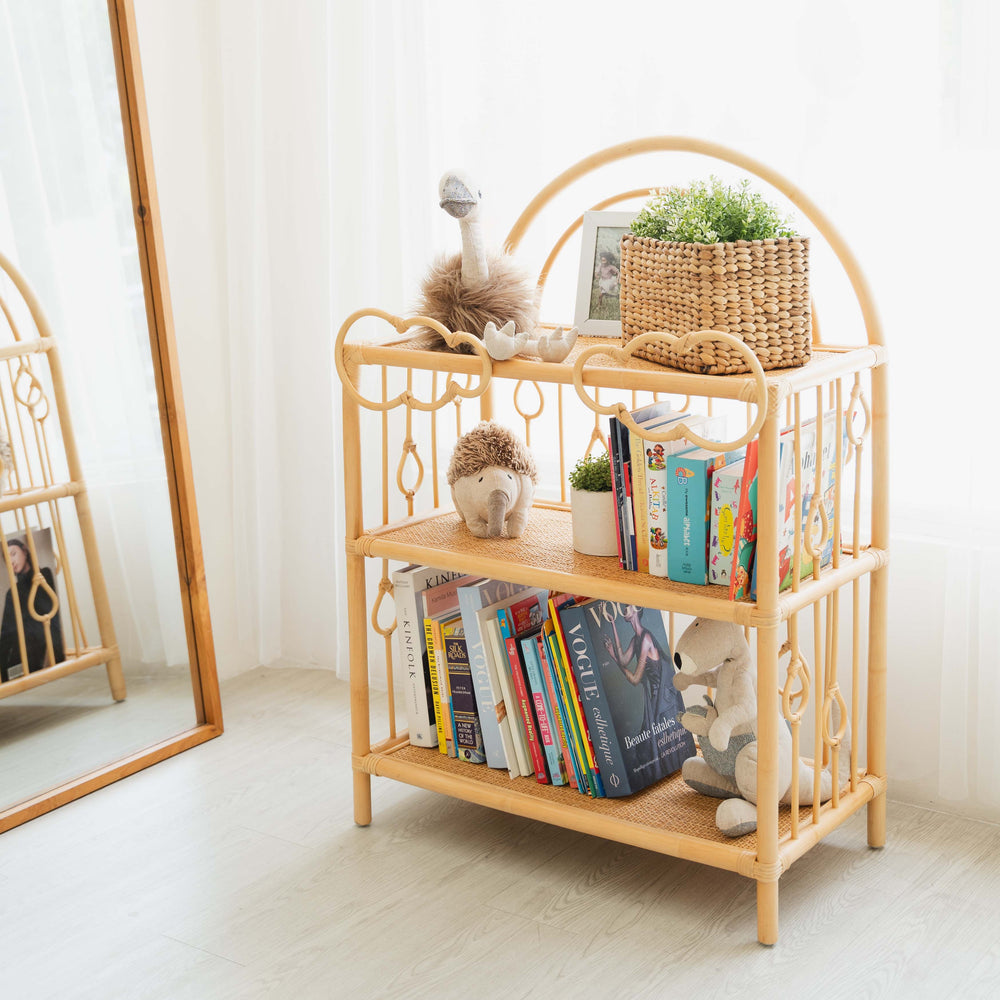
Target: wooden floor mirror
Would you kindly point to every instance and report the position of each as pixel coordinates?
(107, 662)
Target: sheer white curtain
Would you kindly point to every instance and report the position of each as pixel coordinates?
(885, 116)
(65, 220)
(339, 119)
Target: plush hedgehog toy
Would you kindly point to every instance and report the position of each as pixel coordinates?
(492, 476)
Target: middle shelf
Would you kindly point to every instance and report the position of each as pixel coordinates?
(544, 556)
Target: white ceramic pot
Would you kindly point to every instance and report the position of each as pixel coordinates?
(594, 522)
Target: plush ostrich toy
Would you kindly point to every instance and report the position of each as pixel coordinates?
(489, 296)
(492, 478)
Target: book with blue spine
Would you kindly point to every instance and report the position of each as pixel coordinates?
(689, 511)
(554, 688)
(548, 727)
(621, 658)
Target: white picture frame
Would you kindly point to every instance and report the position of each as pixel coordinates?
(598, 305)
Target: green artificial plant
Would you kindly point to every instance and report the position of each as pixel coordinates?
(710, 212)
(592, 474)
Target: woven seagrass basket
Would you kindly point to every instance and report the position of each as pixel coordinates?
(755, 290)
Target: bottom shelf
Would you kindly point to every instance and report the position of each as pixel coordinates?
(668, 817)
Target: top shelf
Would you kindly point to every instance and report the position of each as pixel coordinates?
(607, 371)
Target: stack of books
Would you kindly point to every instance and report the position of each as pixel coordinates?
(559, 689)
(690, 514)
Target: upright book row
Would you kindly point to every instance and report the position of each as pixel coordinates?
(570, 691)
(690, 514)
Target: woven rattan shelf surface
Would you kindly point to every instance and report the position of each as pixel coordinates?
(669, 806)
(544, 556)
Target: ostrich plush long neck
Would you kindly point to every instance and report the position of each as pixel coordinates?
(460, 199)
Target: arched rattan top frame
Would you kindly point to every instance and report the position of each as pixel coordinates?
(682, 144)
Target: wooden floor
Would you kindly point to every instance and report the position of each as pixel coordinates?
(234, 871)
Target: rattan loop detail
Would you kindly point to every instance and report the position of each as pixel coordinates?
(681, 345)
(452, 389)
(384, 588)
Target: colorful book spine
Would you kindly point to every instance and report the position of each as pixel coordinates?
(526, 708)
(575, 737)
(511, 731)
(593, 771)
(689, 479)
(746, 528)
(432, 666)
(548, 729)
(725, 509)
(492, 713)
(652, 415)
(618, 485)
(558, 707)
(468, 731)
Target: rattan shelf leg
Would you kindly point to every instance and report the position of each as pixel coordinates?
(767, 912)
(357, 621)
(878, 611)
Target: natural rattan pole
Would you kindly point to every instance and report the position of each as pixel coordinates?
(357, 624)
(768, 643)
(878, 615)
(92, 552)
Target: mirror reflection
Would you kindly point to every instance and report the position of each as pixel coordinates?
(93, 648)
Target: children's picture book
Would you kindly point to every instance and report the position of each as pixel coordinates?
(621, 659)
(34, 644)
(689, 513)
(722, 530)
(745, 544)
(807, 476)
(492, 711)
(651, 414)
(411, 646)
(657, 455)
(828, 475)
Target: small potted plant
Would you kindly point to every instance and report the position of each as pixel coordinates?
(713, 257)
(593, 506)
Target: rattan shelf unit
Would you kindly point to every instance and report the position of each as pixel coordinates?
(669, 817)
(45, 499)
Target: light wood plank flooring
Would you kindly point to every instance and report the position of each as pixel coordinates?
(234, 871)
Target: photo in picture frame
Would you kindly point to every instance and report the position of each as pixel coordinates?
(598, 304)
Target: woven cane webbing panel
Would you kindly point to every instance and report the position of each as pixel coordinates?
(669, 805)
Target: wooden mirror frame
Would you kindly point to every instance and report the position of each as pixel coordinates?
(180, 481)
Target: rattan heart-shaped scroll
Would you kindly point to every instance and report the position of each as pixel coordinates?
(757, 393)
(407, 397)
